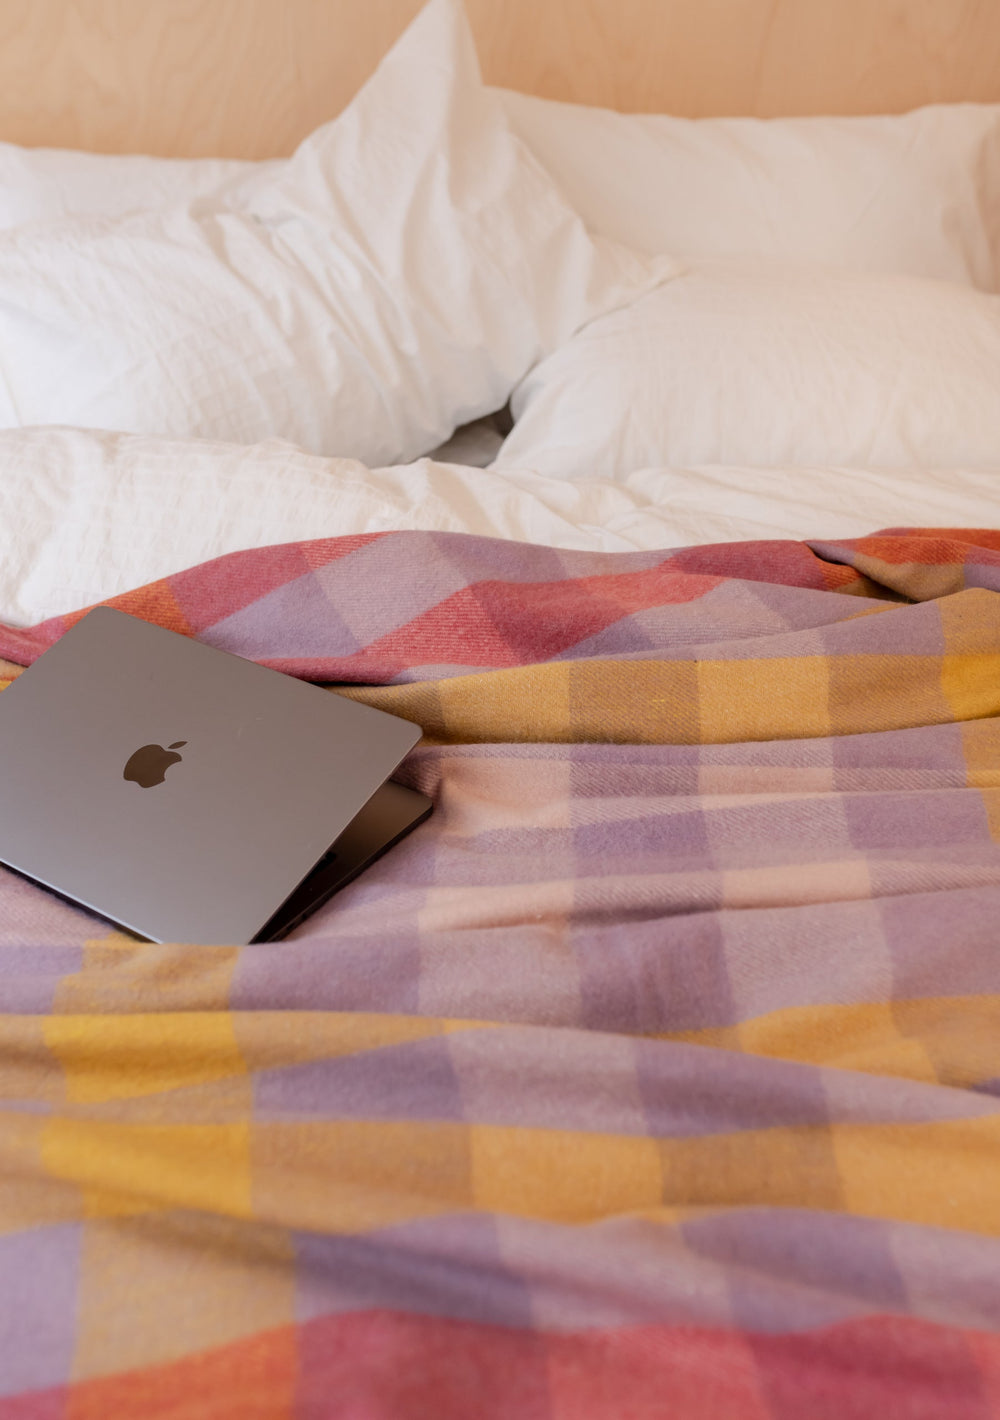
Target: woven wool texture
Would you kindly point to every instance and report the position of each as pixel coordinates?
(657, 1074)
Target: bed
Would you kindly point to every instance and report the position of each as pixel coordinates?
(657, 1073)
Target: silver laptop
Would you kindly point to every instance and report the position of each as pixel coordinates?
(187, 794)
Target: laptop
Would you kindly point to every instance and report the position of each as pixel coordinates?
(187, 794)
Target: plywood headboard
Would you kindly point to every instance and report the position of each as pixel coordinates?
(249, 78)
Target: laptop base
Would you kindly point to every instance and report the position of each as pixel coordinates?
(389, 815)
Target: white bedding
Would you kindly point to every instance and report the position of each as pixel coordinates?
(393, 279)
(914, 193)
(770, 364)
(87, 515)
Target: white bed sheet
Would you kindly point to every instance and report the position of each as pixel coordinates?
(87, 515)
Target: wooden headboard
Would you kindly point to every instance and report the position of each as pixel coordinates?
(249, 78)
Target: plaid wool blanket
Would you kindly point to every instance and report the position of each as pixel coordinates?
(656, 1075)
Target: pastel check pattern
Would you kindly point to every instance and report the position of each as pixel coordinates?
(656, 1075)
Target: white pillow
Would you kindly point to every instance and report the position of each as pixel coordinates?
(396, 278)
(44, 184)
(730, 364)
(916, 193)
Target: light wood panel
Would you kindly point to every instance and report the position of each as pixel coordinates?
(249, 78)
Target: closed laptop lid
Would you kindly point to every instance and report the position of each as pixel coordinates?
(241, 778)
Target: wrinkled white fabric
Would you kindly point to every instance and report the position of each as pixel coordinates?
(87, 515)
(45, 184)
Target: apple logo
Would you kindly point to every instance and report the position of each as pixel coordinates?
(150, 763)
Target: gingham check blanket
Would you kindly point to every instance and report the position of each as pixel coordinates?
(656, 1075)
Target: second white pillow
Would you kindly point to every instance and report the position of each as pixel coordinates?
(736, 364)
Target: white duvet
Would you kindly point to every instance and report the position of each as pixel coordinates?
(86, 515)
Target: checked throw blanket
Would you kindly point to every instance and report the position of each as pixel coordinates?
(657, 1075)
